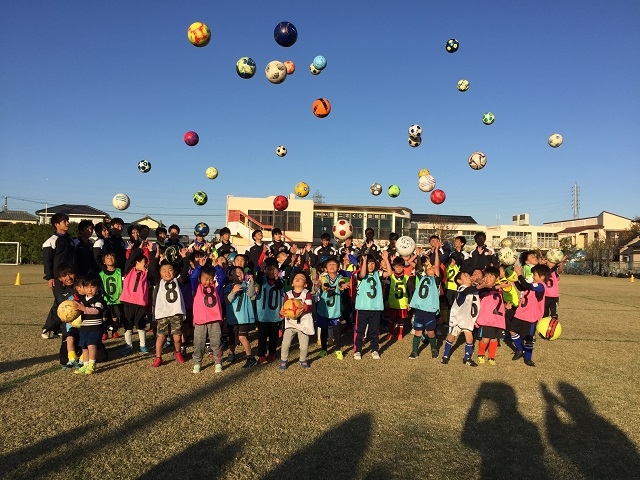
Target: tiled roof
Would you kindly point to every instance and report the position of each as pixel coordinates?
(439, 219)
(70, 209)
(17, 216)
(581, 228)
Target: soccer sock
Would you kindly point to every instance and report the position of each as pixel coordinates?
(482, 347)
(517, 341)
(142, 336)
(400, 328)
(432, 342)
(92, 363)
(128, 337)
(493, 347)
(447, 348)
(468, 351)
(416, 343)
(71, 356)
(392, 327)
(528, 350)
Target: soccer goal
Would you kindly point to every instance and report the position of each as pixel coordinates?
(9, 253)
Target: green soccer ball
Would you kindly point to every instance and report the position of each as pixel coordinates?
(200, 198)
(488, 118)
(393, 191)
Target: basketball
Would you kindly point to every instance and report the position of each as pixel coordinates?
(426, 183)
(477, 160)
(438, 196)
(280, 203)
(549, 328)
(199, 34)
(201, 229)
(555, 140)
(285, 34)
(321, 107)
(463, 85)
(342, 229)
(320, 62)
(211, 173)
(555, 255)
(275, 72)
(507, 256)
(393, 191)
(290, 66)
(191, 138)
(200, 198)
(246, 67)
(405, 246)
(67, 311)
(292, 308)
(301, 189)
(120, 201)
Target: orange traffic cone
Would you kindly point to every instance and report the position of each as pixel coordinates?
(632, 279)
(18, 282)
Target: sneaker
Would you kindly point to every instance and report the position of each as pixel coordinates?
(357, 356)
(105, 337)
(231, 357)
(70, 364)
(529, 363)
(304, 364)
(262, 360)
(208, 351)
(196, 368)
(115, 335)
(167, 344)
(375, 355)
(127, 350)
(251, 362)
(469, 362)
(480, 358)
(183, 350)
(79, 364)
(284, 364)
(144, 349)
(413, 355)
(179, 358)
(45, 335)
(82, 370)
(491, 361)
(444, 360)
(156, 362)
(434, 353)
(322, 353)
(518, 355)
(319, 342)
(339, 355)
(218, 368)
(91, 369)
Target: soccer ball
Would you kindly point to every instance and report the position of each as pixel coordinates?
(171, 253)
(281, 150)
(201, 229)
(120, 201)
(555, 140)
(506, 242)
(200, 198)
(191, 138)
(314, 70)
(423, 173)
(452, 45)
(507, 256)
(320, 62)
(199, 34)
(280, 203)
(321, 107)
(549, 328)
(342, 229)
(211, 173)
(144, 166)
(393, 191)
(67, 311)
(285, 34)
(554, 255)
(415, 131)
(292, 308)
(290, 66)
(246, 67)
(463, 85)
(375, 189)
(415, 142)
(275, 71)
(438, 196)
(426, 183)
(477, 160)
(301, 189)
(405, 246)
(488, 118)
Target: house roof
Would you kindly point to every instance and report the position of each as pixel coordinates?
(586, 218)
(17, 216)
(439, 219)
(70, 209)
(581, 228)
(147, 217)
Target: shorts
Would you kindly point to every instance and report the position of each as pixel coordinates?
(176, 325)
(456, 329)
(114, 311)
(490, 332)
(134, 316)
(244, 329)
(324, 322)
(526, 330)
(424, 320)
(551, 307)
(91, 337)
(398, 314)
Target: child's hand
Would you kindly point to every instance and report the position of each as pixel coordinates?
(385, 255)
(307, 247)
(184, 252)
(294, 248)
(508, 306)
(419, 251)
(78, 306)
(236, 288)
(202, 261)
(518, 269)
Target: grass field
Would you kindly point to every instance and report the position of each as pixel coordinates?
(575, 415)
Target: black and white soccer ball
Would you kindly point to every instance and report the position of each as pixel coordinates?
(144, 166)
(281, 150)
(415, 141)
(415, 131)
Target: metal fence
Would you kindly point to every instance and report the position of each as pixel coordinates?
(606, 269)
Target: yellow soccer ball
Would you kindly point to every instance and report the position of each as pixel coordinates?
(212, 173)
(549, 328)
(199, 34)
(67, 311)
(301, 189)
(423, 173)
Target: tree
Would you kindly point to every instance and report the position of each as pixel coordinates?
(601, 254)
(630, 233)
(567, 246)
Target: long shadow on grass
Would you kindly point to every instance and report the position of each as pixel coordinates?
(26, 362)
(595, 446)
(336, 454)
(509, 444)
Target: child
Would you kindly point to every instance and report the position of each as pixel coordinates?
(400, 290)
(369, 302)
(91, 307)
(169, 303)
(225, 247)
(111, 277)
(528, 260)
(425, 303)
(207, 314)
(491, 319)
(462, 318)
(270, 292)
(328, 306)
(277, 243)
(552, 289)
(531, 309)
(240, 318)
(65, 289)
(302, 326)
(134, 297)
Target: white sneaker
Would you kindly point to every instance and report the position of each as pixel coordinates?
(196, 368)
(375, 355)
(357, 356)
(218, 368)
(45, 336)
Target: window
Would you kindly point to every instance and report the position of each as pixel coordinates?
(548, 240)
(322, 222)
(520, 239)
(286, 221)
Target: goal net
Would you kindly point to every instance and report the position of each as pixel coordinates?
(9, 253)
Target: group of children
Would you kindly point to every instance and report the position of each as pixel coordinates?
(215, 297)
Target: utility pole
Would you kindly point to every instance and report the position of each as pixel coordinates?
(575, 193)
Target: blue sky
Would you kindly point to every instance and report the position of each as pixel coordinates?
(88, 89)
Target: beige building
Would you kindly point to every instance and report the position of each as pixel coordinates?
(582, 231)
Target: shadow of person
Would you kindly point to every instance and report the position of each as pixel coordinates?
(595, 446)
(336, 454)
(509, 444)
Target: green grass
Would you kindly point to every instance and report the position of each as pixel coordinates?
(573, 416)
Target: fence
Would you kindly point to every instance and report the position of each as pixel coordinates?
(610, 269)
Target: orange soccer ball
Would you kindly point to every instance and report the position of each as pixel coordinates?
(292, 308)
(321, 107)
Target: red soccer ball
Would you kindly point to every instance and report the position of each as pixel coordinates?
(438, 196)
(280, 203)
(191, 138)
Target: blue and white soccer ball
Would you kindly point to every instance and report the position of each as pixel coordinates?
(320, 62)
(201, 229)
(144, 166)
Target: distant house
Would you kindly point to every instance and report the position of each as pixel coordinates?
(76, 213)
(583, 231)
(630, 255)
(149, 222)
(15, 216)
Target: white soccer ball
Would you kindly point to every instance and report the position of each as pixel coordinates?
(276, 72)
(554, 255)
(506, 242)
(120, 201)
(281, 151)
(405, 246)
(463, 85)
(507, 256)
(555, 140)
(415, 142)
(415, 130)
(314, 70)
(144, 166)
(342, 229)
(477, 160)
(426, 183)
(375, 189)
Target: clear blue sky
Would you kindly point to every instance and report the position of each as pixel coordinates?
(90, 88)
